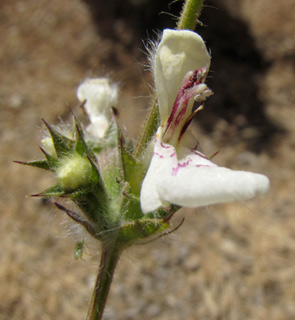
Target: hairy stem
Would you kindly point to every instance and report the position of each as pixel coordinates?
(149, 129)
(108, 261)
(189, 16)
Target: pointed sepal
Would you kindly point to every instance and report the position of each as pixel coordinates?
(55, 191)
(94, 200)
(63, 145)
(53, 162)
(137, 230)
(110, 160)
(133, 171)
(41, 164)
(77, 218)
(81, 146)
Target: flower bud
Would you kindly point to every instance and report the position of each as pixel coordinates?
(100, 96)
(73, 173)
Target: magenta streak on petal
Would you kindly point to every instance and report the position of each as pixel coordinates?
(158, 154)
(202, 165)
(172, 154)
(163, 146)
(180, 165)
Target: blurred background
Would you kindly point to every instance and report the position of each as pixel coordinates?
(227, 262)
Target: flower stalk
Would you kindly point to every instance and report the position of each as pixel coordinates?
(149, 128)
(189, 16)
(108, 262)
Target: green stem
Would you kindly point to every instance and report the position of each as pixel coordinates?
(108, 261)
(189, 16)
(149, 129)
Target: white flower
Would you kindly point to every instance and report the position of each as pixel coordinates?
(100, 96)
(179, 173)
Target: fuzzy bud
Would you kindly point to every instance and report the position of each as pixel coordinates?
(74, 172)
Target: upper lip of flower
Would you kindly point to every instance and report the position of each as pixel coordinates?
(178, 172)
(98, 95)
(179, 52)
(180, 66)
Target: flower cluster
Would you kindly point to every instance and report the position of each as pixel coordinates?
(124, 195)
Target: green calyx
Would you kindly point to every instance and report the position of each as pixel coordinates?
(103, 182)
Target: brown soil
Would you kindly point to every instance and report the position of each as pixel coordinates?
(233, 261)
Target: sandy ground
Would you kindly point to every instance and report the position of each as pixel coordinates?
(230, 262)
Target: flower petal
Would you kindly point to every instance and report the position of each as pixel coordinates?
(165, 163)
(179, 52)
(187, 178)
(201, 186)
(98, 126)
(100, 95)
(162, 161)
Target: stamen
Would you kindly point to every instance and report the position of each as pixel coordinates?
(192, 87)
(189, 120)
